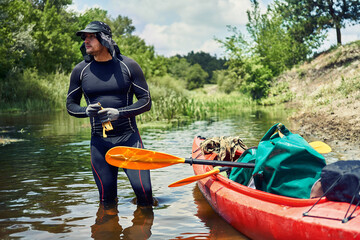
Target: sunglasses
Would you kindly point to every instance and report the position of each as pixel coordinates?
(91, 36)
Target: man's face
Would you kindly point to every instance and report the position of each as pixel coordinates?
(92, 45)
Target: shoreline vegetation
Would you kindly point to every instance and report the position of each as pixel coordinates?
(275, 63)
(326, 87)
(324, 92)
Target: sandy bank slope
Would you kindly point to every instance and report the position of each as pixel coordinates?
(327, 93)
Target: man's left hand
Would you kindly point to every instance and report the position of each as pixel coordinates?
(108, 114)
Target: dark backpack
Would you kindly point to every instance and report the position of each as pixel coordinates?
(340, 181)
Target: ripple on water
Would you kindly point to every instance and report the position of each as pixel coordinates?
(49, 195)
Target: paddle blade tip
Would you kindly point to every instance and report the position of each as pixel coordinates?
(178, 184)
(321, 147)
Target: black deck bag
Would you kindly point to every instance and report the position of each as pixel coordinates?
(340, 181)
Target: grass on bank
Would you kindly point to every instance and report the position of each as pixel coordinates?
(332, 77)
(171, 102)
(33, 92)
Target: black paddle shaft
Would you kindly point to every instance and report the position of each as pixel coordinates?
(219, 163)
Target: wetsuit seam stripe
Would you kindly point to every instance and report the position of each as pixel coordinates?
(102, 186)
(132, 128)
(74, 113)
(76, 89)
(127, 104)
(82, 71)
(73, 91)
(87, 99)
(140, 87)
(142, 186)
(141, 143)
(140, 171)
(128, 110)
(126, 67)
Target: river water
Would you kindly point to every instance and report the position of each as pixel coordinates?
(47, 190)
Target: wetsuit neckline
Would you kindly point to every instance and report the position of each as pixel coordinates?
(104, 62)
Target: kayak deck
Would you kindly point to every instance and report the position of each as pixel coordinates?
(262, 215)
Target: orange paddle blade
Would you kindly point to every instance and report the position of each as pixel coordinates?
(140, 159)
(191, 179)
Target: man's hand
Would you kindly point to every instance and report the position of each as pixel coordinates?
(108, 114)
(92, 110)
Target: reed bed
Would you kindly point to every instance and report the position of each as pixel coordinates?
(171, 101)
(175, 107)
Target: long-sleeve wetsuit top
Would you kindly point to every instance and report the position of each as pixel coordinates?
(113, 84)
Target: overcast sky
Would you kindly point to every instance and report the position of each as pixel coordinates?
(180, 26)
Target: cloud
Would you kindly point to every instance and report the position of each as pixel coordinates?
(179, 38)
(204, 12)
(177, 27)
(80, 7)
(180, 26)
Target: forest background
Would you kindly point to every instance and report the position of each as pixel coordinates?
(39, 49)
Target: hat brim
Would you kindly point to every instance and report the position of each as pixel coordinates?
(78, 33)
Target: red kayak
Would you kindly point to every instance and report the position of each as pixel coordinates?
(262, 215)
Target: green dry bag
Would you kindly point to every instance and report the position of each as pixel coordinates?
(286, 164)
(243, 175)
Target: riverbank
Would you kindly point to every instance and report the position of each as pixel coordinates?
(327, 94)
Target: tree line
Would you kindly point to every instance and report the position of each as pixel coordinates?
(38, 39)
(38, 42)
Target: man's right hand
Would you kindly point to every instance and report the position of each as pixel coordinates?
(92, 110)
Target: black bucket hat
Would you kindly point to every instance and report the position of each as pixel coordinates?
(104, 35)
(95, 27)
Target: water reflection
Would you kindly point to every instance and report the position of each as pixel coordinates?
(107, 225)
(47, 190)
(219, 229)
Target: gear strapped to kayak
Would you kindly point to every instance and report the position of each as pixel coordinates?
(340, 181)
(285, 164)
(225, 147)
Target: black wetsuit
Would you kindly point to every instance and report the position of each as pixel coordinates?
(113, 84)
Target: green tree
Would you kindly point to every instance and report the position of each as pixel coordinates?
(300, 25)
(93, 14)
(323, 14)
(58, 4)
(178, 67)
(206, 61)
(16, 42)
(246, 72)
(277, 42)
(195, 77)
(54, 40)
(237, 50)
(281, 42)
(122, 25)
(252, 66)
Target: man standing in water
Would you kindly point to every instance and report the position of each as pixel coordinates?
(109, 81)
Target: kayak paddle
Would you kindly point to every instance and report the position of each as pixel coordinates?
(195, 178)
(317, 145)
(142, 159)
